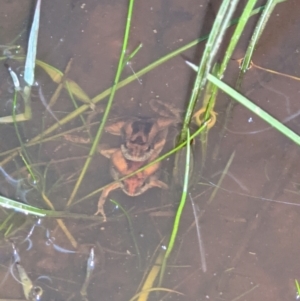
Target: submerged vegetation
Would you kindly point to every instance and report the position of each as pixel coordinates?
(200, 117)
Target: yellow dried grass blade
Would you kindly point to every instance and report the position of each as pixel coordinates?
(154, 289)
(78, 92)
(55, 74)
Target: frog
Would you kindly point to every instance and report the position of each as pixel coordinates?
(142, 140)
(141, 137)
(134, 185)
(145, 137)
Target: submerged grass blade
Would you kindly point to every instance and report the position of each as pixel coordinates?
(260, 26)
(20, 207)
(213, 43)
(109, 104)
(297, 288)
(26, 95)
(70, 92)
(148, 284)
(154, 289)
(255, 109)
(29, 70)
(131, 230)
(31, 210)
(179, 210)
(32, 46)
(236, 35)
(252, 107)
(4, 223)
(209, 101)
(225, 171)
(55, 74)
(60, 78)
(132, 55)
(23, 153)
(78, 91)
(200, 242)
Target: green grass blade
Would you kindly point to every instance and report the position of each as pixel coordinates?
(298, 288)
(255, 109)
(31, 210)
(132, 55)
(255, 37)
(108, 107)
(25, 157)
(236, 35)
(20, 207)
(4, 223)
(209, 101)
(213, 43)
(179, 210)
(131, 230)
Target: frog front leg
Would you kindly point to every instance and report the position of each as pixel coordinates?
(103, 197)
(106, 151)
(116, 127)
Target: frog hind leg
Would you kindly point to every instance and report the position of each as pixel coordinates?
(104, 195)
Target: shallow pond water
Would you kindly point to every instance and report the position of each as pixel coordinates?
(249, 229)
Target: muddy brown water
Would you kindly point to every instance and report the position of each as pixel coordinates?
(249, 230)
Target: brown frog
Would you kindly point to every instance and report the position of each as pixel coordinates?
(134, 185)
(142, 141)
(145, 137)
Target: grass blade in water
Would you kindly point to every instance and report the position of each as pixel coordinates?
(179, 210)
(201, 247)
(32, 46)
(255, 109)
(255, 37)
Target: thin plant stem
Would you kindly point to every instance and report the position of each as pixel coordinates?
(131, 229)
(23, 152)
(213, 43)
(179, 210)
(201, 247)
(221, 178)
(27, 209)
(255, 109)
(236, 35)
(260, 26)
(108, 107)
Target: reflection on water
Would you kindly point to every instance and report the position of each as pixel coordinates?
(249, 229)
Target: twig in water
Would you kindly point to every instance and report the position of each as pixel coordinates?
(201, 248)
(130, 67)
(44, 102)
